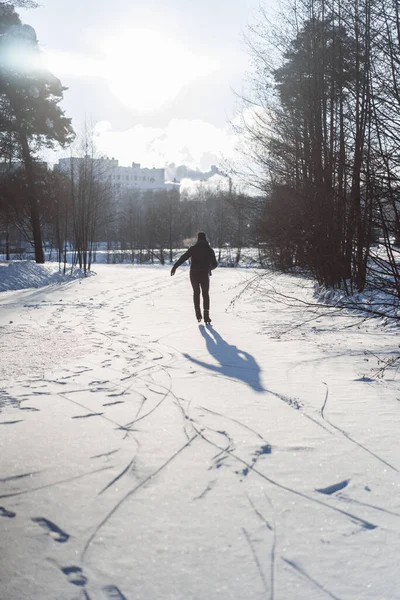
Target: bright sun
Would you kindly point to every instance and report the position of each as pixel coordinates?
(145, 70)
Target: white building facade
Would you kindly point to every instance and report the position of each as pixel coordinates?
(121, 178)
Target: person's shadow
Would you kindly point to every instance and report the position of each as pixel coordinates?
(233, 363)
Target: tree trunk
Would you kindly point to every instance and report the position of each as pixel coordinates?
(32, 198)
(7, 242)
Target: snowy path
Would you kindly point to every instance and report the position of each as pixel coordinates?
(146, 458)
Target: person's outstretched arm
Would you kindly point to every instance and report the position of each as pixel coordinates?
(181, 260)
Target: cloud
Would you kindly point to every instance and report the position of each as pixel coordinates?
(195, 187)
(179, 172)
(193, 143)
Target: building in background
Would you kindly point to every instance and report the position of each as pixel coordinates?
(120, 178)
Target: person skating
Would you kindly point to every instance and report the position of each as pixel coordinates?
(203, 261)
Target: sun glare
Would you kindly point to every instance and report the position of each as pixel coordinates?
(145, 70)
(62, 63)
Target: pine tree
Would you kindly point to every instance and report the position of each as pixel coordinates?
(30, 116)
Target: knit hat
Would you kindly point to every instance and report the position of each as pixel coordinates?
(201, 236)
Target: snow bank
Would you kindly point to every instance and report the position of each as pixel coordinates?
(19, 275)
(370, 301)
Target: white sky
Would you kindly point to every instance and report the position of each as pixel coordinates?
(155, 77)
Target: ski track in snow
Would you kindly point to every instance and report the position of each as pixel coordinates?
(155, 409)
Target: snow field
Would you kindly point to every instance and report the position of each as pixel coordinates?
(146, 457)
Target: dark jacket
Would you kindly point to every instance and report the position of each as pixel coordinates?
(202, 255)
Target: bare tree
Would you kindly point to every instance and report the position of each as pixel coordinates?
(314, 136)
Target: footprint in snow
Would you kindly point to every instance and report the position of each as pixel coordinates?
(75, 575)
(55, 532)
(336, 487)
(7, 513)
(264, 449)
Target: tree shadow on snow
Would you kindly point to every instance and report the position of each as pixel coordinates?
(233, 362)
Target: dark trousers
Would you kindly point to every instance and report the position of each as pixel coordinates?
(200, 280)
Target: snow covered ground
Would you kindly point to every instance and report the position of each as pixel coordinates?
(148, 458)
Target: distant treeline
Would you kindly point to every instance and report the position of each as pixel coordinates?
(79, 211)
(320, 136)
